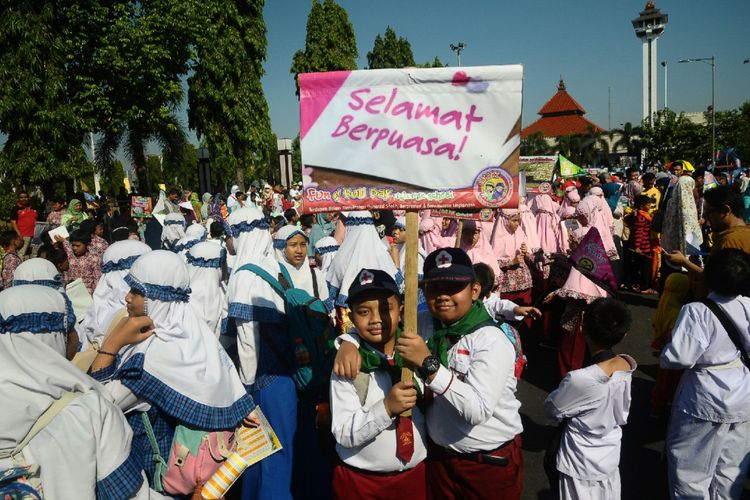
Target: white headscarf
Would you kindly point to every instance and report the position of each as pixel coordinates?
(37, 312)
(181, 368)
(109, 294)
(302, 275)
(38, 271)
(421, 254)
(173, 230)
(249, 230)
(34, 375)
(195, 233)
(249, 296)
(361, 249)
(206, 261)
(327, 247)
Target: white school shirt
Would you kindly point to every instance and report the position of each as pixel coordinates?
(83, 444)
(716, 384)
(366, 435)
(475, 406)
(501, 309)
(597, 405)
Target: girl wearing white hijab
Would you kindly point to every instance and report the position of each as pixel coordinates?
(165, 362)
(173, 230)
(288, 243)
(361, 249)
(195, 233)
(206, 264)
(325, 250)
(47, 315)
(84, 452)
(38, 271)
(109, 294)
(257, 312)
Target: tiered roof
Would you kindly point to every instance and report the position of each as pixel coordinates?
(561, 115)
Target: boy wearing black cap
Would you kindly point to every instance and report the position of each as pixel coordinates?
(468, 365)
(381, 452)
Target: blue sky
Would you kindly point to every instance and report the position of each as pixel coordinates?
(591, 43)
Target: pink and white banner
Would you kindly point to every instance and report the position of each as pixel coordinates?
(411, 138)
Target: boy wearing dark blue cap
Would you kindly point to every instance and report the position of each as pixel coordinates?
(381, 452)
(467, 363)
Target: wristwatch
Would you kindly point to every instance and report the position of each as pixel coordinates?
(430, 365)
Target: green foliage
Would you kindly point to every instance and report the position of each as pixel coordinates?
(390, 51)
(583, 149)
(227, 106)
(733, 130)
(330, 43)
(44, 131)
(435, 63)
(675, 137)
(535, 144)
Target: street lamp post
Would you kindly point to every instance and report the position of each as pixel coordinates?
(458, 48)
(711, 61)
(204, 169)
(666, 68)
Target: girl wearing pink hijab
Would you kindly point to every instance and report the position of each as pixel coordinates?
(570, 199)
(437, 232)
(590, 212)
(528, 224)
(476, 245)
(511, 247)
(549, 228)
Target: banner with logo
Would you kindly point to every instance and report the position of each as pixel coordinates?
(140, 206)
(411, 138)
(539, 172)
(483, 215)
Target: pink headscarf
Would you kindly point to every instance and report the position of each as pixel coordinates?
(432, 236)
(571, 197)
(548, 224)
(482, 251)
(593, 209)
(505, 244)
(528, 224)
(578, 286)
(606, 210)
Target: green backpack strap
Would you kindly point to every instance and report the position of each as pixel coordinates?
(265, 276)
(160, 465)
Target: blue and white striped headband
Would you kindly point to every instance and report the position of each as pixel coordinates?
(326, 249)
(216, 262)
(164, 293)
(280, 244)
(119, 265)
(40, 322)
(174, 223)
(245, 226)
(358, 221)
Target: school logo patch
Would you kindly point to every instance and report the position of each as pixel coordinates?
(366, 277)
(444, 260)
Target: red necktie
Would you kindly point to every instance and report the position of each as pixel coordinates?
(404, 436)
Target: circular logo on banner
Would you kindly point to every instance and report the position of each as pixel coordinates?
(544, 187)
(493, 187)
(486, 214)
(586, 264)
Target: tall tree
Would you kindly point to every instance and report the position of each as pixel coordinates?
(435, 63)
(390, 51)
(128, 63)
(535, 144)
(44, 131)
(628, 139)
(227, 104)
(330, 43)
(673, 136)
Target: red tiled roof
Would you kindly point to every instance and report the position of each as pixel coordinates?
(561, 115)
(562, 102)
(557, 126)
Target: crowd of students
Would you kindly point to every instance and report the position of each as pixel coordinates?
(189, 329)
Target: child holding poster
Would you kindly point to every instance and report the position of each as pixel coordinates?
(381, 452)
(468, 365)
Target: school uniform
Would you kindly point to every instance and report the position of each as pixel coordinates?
(474, 412)
(84, 452)
(597, 406)
(708, 439)
(367, 438)
(257, 312)
(501, 309)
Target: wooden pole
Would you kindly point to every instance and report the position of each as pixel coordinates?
(459, 233)
(411, 284)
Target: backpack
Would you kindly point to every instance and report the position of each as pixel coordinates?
(515, 339)
(311, 330)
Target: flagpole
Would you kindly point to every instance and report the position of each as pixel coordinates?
(411, 282)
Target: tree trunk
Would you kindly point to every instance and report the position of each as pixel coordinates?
(240, 178)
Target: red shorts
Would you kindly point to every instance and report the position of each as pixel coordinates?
(349, 482)
(451, 477)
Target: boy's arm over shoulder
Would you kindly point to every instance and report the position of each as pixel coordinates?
(484, 361)
(574, 395)
(353, 424)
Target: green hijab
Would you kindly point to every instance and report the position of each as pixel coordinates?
(72, 216)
